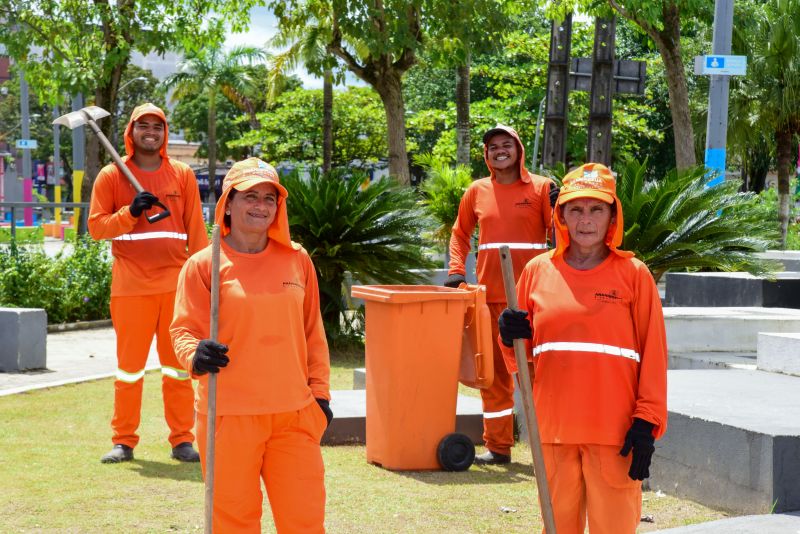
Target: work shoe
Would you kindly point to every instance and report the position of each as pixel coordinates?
(185, 452)
(120, 453)
(492, 458)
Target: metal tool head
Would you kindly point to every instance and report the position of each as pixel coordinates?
(78, 118)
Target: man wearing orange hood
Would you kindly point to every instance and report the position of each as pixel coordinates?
(271, 355)
(591, 318)
(511, 207)
(147, 261)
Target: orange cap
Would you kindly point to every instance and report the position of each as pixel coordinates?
(591, 180)
(252, 171)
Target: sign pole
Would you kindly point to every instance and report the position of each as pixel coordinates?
(717, 125)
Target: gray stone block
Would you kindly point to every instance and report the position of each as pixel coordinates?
(360, 378)
(24, 339)
(732, 289)
(762, 524)
(732, 442)
(789, 258)
(779, 353)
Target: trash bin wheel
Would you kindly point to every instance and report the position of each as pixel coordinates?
(455, 452)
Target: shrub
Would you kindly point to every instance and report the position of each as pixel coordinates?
(442, 190)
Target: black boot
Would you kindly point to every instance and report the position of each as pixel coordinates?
(492, 458)
(120, 453)
(185, 452)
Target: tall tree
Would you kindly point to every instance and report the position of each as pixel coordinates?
(72, 46)
(212, 71)
(661, 21)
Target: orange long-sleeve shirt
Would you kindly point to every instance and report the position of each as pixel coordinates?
(270, 319)
(516, 214)
(599, 348)
(147, 257)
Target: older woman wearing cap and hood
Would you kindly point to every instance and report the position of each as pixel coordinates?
(511, 207)
(272, 359)
(594, 333)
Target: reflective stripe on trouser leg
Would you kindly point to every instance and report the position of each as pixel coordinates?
(498, 399)
(178, 393)
(134, 320)
(283, 450)
(591, 481)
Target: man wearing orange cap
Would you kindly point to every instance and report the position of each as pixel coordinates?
(511, 207)
(147, 260)
(591, 318)
(273, 391)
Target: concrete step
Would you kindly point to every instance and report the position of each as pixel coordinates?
(712, 360)
(789, 258)
(733, 440)
(350, 411)
(725, 329)
(779, 352)
(762, 524)
(782, 290)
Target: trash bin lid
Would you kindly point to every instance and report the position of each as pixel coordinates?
(402, 294)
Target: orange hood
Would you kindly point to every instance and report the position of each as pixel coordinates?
(524, 175)
(592, 180)
(141, 111)
(244, 175)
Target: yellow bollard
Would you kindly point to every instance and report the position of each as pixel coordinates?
(77, 182)
(57, 199)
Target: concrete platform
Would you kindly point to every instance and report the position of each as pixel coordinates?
(725, 329)
(733, 441)
(789, 258)
(712, 360)
(733, 289)
(350, 411)
(749, 524)
(779, 353)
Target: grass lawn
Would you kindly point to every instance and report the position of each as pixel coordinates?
(52, 480)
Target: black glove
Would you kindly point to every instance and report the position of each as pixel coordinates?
(554, 190)
(209, 357)
(455, 280)
(513, 325)
(640, 439)
(326, 409)
(142, 202)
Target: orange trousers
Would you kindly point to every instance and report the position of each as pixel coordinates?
(592, 480)
(136, 319)
(498, 399)
(281, 449)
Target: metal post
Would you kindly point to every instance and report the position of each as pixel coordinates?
(78, 159)
(717, 125)
(57, 165)
(535, 161)
(598, 149)
(555, 123)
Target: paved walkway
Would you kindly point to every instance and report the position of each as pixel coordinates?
(75, 356)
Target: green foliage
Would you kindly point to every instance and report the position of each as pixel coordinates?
(442, 190)
(292, 130)
(374, 234)
(191, 116)
(768, 210)
(70, 287)
(677, 223)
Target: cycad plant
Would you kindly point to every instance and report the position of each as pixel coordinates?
(442, 190)
(677, 222)
(374, 233)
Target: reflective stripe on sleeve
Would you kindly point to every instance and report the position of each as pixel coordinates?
(130, 378)
(514, 246)
(177, 374)
(151, 235)
(586, 347)
(495, 415)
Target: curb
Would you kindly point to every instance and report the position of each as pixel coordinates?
(80, 325)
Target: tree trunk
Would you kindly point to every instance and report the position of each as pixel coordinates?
(462, 112)
(212, 146)
(389, 87)
(327, 120)
(783, 142)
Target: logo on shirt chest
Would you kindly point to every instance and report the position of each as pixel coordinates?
(610, 295)
(525, 203)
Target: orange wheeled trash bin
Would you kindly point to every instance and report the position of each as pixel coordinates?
(413, 338)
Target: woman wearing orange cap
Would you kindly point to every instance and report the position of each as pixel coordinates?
(272, 359)
(594, 333)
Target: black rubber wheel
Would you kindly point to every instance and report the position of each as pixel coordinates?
(455, 452)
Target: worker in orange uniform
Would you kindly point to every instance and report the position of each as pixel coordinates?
(147, 261)
(511, 207)
(591, 318)
(272, 357)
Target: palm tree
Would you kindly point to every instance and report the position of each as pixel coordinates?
(307, 44)
(442, 190)
(676, 222)
(374, 233)
(773, 84)
(213, 71)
